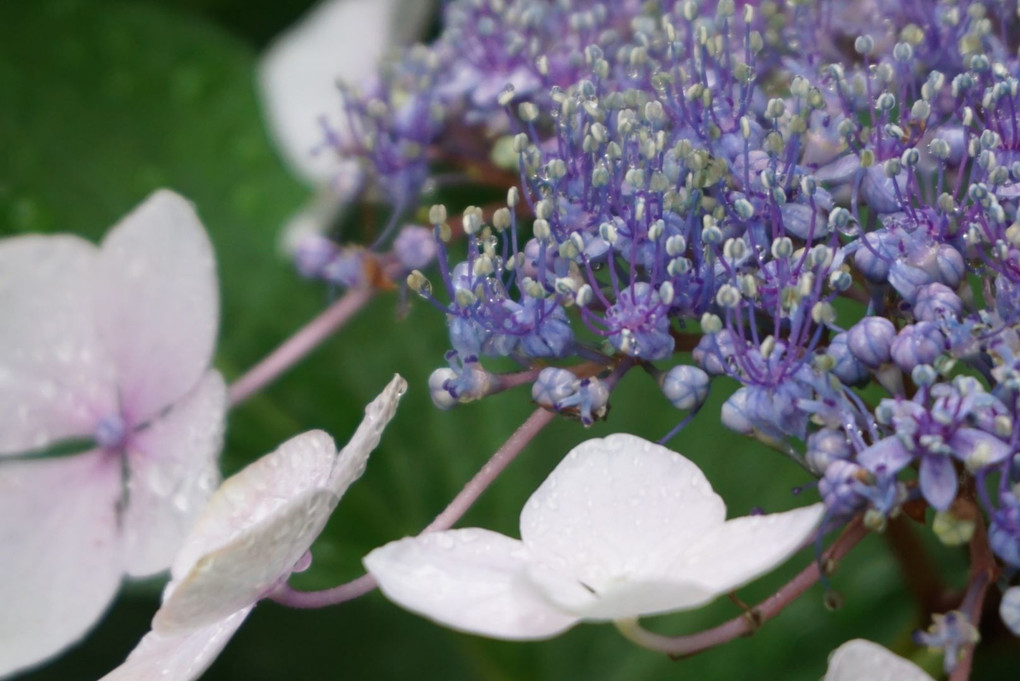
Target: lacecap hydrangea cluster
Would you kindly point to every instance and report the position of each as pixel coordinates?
(812, 197)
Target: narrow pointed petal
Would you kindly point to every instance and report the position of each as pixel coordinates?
(61, 563)
(339, 40)
(353, 457)
(888, 453)
(172, 474)
(938, 481)
(56, 381)
(619, 506)
(157, 303)
(858, 660)
(250, 535)
(745, 548)
(177, 658)
(471, 580)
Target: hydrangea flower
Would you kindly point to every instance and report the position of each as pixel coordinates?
(338, 40)
(621, 528)
(255, 531)
(859, 659)
(108, 348)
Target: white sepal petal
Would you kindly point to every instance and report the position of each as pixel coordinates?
(56, 377)
(860, 660)
(744, 548)
(471, 580)
(157, 303)
(173, 472)
(619, 506)
(177, 658)
(61, 561)
(1009, 609)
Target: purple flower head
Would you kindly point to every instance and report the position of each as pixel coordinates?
(415, 247)
(639, 324)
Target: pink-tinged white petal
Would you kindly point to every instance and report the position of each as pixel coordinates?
(471, 580)
(157, 303)
(351, 461)
(177, 658)
(173, 471)
(56, 379)
(744, 548)
(240, 573)
(61, 563)
(860, 660)
(338, 40)
(619, 508)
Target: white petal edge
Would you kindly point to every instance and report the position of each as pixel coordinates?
(157, 303)
(745, 548)
(354, 456)
(619, 507)
(471, 580)
(338, 40)
(860, 660)
(56, 379)
(172, 473)
(61, 563)
(177, 658)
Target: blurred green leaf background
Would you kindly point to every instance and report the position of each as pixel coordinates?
(102, 102)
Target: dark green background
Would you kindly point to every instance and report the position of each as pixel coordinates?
(102, 102)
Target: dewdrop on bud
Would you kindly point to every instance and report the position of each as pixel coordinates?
(685, 386)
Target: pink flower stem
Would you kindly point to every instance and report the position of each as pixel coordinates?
(539, 419)
(749, 622)
(983, 572)
(300, 344)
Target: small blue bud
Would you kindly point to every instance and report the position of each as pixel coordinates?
(824, 447)
(936, 302)
(685, 386)
(915, 344)
(870, 339)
